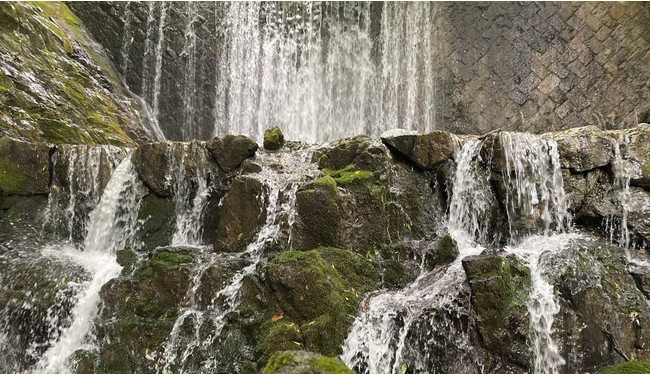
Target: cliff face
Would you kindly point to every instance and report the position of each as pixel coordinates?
(56, 84)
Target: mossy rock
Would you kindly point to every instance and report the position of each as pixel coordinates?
(273, 139)
(630, 367)
(444, 252)
(24, 168)
(499, 296)
(318, 293)
(317, 207)
(348, 175)
(291, 362)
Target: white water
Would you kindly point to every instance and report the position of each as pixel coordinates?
(111, 228)
(279, 180)
(623, 171)
(377, 341)
(155, 102)
(190, 194)
(535, 193)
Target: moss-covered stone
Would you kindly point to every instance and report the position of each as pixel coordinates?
(24, 168)
(499, 294)
(127, 259)
(61, 88)
(304, 362)
(444, 252)
(317, 205)
(348, 175)
(273, 139)
(318, 293)
(630, 367)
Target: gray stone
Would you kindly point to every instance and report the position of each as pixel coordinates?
(424, 150)
(231, 150)
(584, 148)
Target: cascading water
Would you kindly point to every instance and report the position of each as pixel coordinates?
(188, 339)
(111, 228)
(78, 184)
(320, 71)
(379, 339)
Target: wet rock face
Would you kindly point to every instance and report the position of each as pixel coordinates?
(24, 168)
(230, 151)
(601, 306)
(499, 296)
(638, 151)
(140, 310)
(56, 85)
(241, 213)
(584, 148)
(424, 150)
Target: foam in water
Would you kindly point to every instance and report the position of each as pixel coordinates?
(111, 228)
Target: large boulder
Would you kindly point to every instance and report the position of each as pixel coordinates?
(499, 295)
(318, 293)
(231, 150)
(318, 214)
(24, 168)
(241, 214)
(424, 150)
(165, 165)
(584, 148)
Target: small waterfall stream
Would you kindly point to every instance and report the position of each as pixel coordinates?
(111, 228)
(535, 201)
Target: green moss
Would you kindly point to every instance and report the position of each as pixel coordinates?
(170, 259)
(327, 183)
(630, 367)
(278, 361)
(319, 291)
(280, 336)
(12, 178)
(348, 175)
(273, 138)
(330, 365)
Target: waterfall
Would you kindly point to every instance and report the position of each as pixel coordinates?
(320, 71)
(111, 228)
(379, 337)
(186, 338)
(622, 171)
(189, 210)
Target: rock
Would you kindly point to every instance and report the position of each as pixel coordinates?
(584, 148)
(425, 151)
(318, 214)
(273, 139)
(92, 166)
(56, 83)
(289, 362)
(638, 152)
(231, 150)
(499, 295)
(241, 213)
(317, 292)
(158, 165)
(24, 168)
(157, 224)
(600, 305)
(641, 276)
(444, 252)
(360, 151)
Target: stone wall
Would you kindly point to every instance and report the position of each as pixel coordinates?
(518, 66)
(543, 66)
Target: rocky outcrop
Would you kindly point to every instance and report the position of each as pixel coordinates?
(24, 168)
(56, 84)
(230, 151)
(424, 150)
(637, 150)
